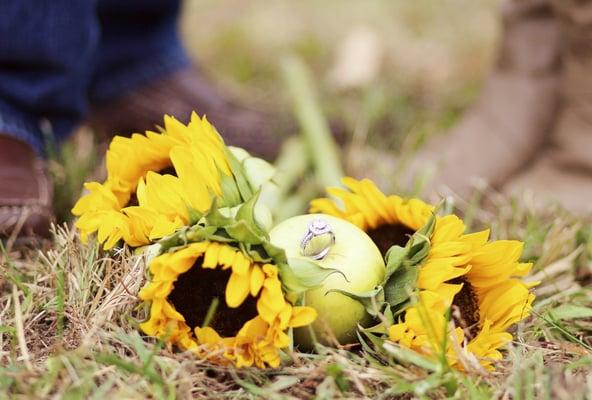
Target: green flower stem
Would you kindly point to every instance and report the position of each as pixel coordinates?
(290, 166)
(315, 130)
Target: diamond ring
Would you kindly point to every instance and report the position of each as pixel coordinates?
(317, 227)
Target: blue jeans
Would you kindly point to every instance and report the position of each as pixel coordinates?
(59, 57)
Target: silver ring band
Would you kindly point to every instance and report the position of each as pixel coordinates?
(317, 227)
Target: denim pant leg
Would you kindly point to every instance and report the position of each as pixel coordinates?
(139, 43)
(47, 49)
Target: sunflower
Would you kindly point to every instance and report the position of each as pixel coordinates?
(392, 220)
(190, 161)
(480, 328)
(247, 327)
(99, 211)
(479, 281)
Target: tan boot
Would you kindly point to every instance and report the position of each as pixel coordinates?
(564, 171)
(512, 117)
(547, 181)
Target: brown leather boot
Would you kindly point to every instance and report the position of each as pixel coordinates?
(179, 94)
(26, 191)
(564, 171)
(513, 115)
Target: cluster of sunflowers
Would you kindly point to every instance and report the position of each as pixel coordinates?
(226, 287)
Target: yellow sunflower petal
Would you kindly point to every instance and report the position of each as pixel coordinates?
(397, 331)
(156, 290)
(207, 335)
(211, 255)
(505, 304)
(237, 289)
(438, 271)
(226, 256)
(302, 316)
(448, 228)
(476, 240)
(257, 279)
(170, 312)
(325, 206)
(241, 264)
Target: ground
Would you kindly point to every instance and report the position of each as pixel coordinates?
(68, 311)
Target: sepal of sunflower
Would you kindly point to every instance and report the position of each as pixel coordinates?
(247, 328)
(479, 281)
(141, 201)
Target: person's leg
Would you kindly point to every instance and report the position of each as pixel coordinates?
(46, 49)
(143, 73)
(139, 43)
(513, 115)
(563, 171)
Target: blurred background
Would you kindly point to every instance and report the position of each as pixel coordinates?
(389, 73)
(387, 69)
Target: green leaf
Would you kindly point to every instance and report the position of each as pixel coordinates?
(400, 285)
(276, 253)
(377, 341)
(388, 316)
(371, 353)
(171, 241)
(239, 176)
(410, 357)
(428, 228)
(215, 218)
(257, 253)
(394, 258)
(300, 275)
(419, 250)
(419, 244)
(386, 321)
(570, 311)
(372, 300)
(402, 267)
(219, 236)
(242, 231)
(379, 329)
(199, 233)
(246, 213)
(194, 215)
(231, 196)
(402, 307)
(336, 371)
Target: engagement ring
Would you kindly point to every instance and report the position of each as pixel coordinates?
(317, 227)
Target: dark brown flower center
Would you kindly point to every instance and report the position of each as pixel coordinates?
(170, 170)
(465, 308)
(386, 236)
(198, 288)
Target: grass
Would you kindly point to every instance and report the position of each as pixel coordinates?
(69, 312)
(68, 329)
